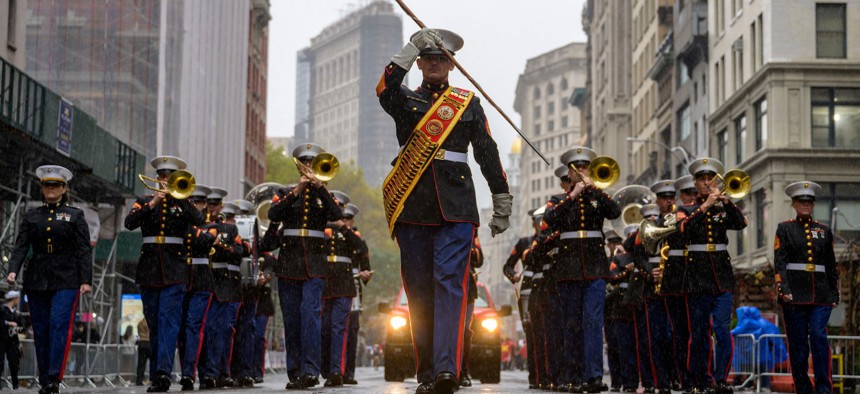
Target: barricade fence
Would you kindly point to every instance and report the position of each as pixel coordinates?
(108, 365)
(760, 362)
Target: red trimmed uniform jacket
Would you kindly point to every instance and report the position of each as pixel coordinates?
(709, 272)
(805, 243)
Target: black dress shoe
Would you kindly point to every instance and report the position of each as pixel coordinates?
(310, 381)
(650, 390)
(446, 383)
(334, 380)
(576, 388)
(628, 390)
(595, 385)
(664, 391)
(465, 381)
(258, 380)
(723, 388)
(207, 383)
(161, 384)
(245, 381)
(226, 381)
(349, 380)
(187, 383)
(425, 388)
(298, 384)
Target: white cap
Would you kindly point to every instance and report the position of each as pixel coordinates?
(172, 163)
(561, 172)
(664, 186)
(201, 191)
(579, 153)
(650, 210)
(450, 40)
(685, 182)
(245, 206)
(341, 197)
(13, 294)
(230, 209)
(351, 210)
(705, 165)
(52, 173)
(803, 190)
(217, 193)
(307, 151)
(630, 228)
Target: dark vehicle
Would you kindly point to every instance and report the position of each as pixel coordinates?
(485, 355)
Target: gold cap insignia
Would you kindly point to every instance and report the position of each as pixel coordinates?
(579, 150)
(705, 161)
(805, 185)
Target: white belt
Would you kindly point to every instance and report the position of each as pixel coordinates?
(805, 267)
(706, 248)
(160, 239)
(581, 234)
(528, 274)
(624, 285)
(303, 232)
(655, 259)
(547, 266)
(199, 261)
(676, 252)
(553, 251)
(355, 271)
(223, 266)
(459, 157)
(338, 259)
(526, 292)
(231, 267)
(538, 275)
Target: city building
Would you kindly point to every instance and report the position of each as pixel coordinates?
(13, 32)
(548, 120)
(336, 103)
(258, 70)
(785, 106)
(690, 101)
(165, 77)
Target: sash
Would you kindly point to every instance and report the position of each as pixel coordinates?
(420, 149)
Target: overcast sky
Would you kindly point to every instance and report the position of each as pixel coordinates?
(500, 36)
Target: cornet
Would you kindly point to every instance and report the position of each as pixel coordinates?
(179, 185)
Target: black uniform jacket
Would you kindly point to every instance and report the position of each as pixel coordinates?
(805, 262)
(581, 258)
(675, 269)
(521, 246)
(618, 284)
(638, 279)
(200, 241)
(645, 262)
(530, 285)
(60, 240)
(303, 257)
(445, 191)
(341, 242)
(360, 262)
(163, 264)
(265, 303)
(9, 335)
(230, 250)
(542, 254)
(709, 272)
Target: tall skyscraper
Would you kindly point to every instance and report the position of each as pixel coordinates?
(548, 120)
(166, 77)
(258, 70)
(340, 70)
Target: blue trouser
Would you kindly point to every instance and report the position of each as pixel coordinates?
(805, 329)
(528, 328)
(677, 307)
(710, 312)
(339, 315)
(301, 306)
(623, 334)
(467, 338)
(434, 264)
(612, 357)
(661, 343)
(193, 326)
(53, 314)
(555, 335)
(260, 345)
(583, 303)
(219, 339)
(537, 342)
(162, 308)
(242, 362)
(352, 343)
(647, 374)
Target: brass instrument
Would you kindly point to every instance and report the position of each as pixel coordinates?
(630, 199)
(261, 195)
(654, 241)
(179, 185)
(736, 183)
(603, 171)
(324, 167)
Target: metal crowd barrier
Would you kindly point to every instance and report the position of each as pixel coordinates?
(109, 365)
(766, 357)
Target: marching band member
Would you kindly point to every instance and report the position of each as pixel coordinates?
(58, 272)
(808, 287)
(303, 210)
(710, 278)
(162, 271)
(518, 254)
(242, 362)
(621, 331)
(581, 269)
(361, 275)
(430, 199)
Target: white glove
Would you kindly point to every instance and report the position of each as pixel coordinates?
(423, 39)
(502, 204)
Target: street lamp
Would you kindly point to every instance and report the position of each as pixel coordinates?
(681, 149)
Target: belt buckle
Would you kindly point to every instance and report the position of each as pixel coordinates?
(686, 253)
(710, 247)
(303, 232)
(50, 248)
(331, 259)
(440, 154)
(159, 239)
(582, 233)
(810, 267)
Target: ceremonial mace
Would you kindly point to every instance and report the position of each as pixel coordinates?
(475, 83)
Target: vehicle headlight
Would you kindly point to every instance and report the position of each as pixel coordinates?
(397, 322)
(490, 324)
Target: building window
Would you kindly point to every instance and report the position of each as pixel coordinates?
(550, 127)
(550, 108)
(684, 122)
(550, 89)
(757, 44)
(738, 51)
(683, 72)
(12, 27)
(537, 129)
(835, 117)
(740, 138)
(830, 30)
(761, 215)
(563, 84)
(760, 123)
(845, 197)
(536, 113)
(536, 93)
(737, 7)
(564, 121)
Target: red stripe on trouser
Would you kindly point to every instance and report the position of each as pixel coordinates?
(636, 336)
(343, 346)
(650, 347)
(674, 332)
(200, 340)
(411, 330)
(689, 338)
(233, 334)
(710, 352)
(460, 326)
(68, 337)
(731, 356)
(265, 346)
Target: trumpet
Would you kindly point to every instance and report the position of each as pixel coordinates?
(736, 183)
(603, 171)
(179, 185)
(323, 168)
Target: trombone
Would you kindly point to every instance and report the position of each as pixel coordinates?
(323, 168)
(179, 185)
(736, 183)
(604, 171)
